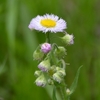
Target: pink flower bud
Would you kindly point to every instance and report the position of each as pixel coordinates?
(45, 47)
(44, 65)
(41, 81)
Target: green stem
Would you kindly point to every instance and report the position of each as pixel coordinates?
(54, 59)
(63, 93)
(54, 93)
(63, 63)
(69, 98)
(48, 37)
(65, 32)
(54, 45)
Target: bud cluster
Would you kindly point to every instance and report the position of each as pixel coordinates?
(51, 62)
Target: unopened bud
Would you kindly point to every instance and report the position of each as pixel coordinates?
(44, 65)
(41, 81)
(52, 70)
(68, 39)
(50, 82)
(45, 47)
(61, 72)
(68, 92)
(38, 55)
(60, 52)
(57, 78)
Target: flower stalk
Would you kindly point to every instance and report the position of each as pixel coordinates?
(52, 65)
(63, 93)
(48, 37)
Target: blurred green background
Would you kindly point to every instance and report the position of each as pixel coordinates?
(17, 44)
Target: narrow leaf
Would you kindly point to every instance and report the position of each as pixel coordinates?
(74, 84)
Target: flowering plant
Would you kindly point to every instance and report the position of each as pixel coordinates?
(52, 66)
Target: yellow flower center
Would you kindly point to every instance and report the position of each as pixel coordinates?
(48, 23)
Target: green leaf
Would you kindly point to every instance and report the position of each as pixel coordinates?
(74, 84)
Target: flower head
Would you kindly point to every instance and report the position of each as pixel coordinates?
(61, 72)
(45, 47)
(44, 65)
(41, 81)
(60, 52)
(68, 91)
(48, 23)
(50, 82)
(57, 77)
(68, 39)
(38, 55)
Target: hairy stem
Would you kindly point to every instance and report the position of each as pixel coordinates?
(48, 37)
(63, 93)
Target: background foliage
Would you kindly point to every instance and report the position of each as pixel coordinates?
(17, 44)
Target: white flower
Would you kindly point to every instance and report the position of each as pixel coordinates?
(48, 23)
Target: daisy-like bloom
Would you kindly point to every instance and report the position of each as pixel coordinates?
(48, 23)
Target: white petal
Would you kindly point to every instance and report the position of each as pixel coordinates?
(36, 24)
